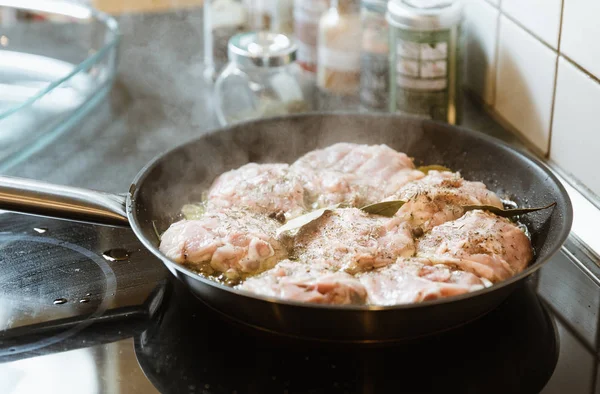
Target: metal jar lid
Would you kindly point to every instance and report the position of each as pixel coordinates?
(263, 49)
(424, 15)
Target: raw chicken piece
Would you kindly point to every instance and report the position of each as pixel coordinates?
(234, 242)
(479, 242)
(348, 158)
(354, 174)
(439, 198)
(408, 281)
(354, 241)
(270, 189)
(296, 281)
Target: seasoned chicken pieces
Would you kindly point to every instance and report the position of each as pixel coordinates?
(296, 281)
(439, 198)
(408, 281)
(479, 242)
(351, 240)
(270, 189)
(430, 249)
(233, 242)
(354, 174)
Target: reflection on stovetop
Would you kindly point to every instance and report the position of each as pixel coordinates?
(59, 277)
(512, 349)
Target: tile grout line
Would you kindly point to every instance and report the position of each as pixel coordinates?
(516, 22)
(580, 68)
(553, 105)
(531, 33)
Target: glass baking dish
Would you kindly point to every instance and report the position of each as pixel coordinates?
(57, 61)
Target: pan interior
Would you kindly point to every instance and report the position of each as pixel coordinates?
(183, 174)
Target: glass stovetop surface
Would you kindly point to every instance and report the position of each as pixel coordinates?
(88, 310)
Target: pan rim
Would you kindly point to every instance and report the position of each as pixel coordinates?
(562, 237)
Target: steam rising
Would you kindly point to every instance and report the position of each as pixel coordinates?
(183, 175)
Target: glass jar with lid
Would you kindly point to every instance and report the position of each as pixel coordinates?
(338, 64)
(425, 58)
(271, 15)
(374, 57)
(261, 79)
(225, 18)
(307, 14)
(222, 20)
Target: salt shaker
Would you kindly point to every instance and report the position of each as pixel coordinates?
(261, 79)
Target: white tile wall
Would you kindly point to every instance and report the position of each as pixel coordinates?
(481, 22)
(580, 33)
(525, 82)
(541, 17)
(511, 51)
(575, 132)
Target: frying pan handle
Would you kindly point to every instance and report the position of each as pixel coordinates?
(63, 202)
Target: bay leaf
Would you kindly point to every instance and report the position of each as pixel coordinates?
(384, 208)
(506, 213)
(303, 220)
(434, 167)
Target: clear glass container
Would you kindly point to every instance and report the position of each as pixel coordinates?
(222, 20)
(284, 18)
(57, 61)
(262, 79)
(339, 47)
(225, 18)
(261, 14)
(307, 14)
(374, 58)
(270, 15)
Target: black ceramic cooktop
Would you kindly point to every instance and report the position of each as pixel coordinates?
(92, 300)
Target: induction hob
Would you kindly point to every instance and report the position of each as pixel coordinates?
(85, 309)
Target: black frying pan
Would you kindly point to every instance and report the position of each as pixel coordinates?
(182, 174)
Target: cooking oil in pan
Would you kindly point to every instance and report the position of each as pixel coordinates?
(509, 204)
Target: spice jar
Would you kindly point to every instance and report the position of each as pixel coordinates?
(222, 20)
(284, 17)
(424, 58)
(338, 64)
(270, 15)
(261, 14)
(374, 58)
(307, 14)
(261, 79)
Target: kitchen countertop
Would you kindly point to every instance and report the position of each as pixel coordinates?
(160, 100)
